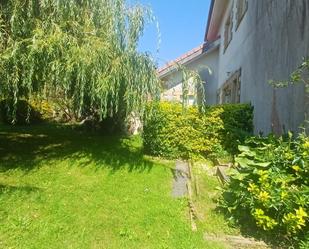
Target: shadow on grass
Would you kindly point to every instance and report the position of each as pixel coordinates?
(26, 147)
(249, 229)
(10, 188)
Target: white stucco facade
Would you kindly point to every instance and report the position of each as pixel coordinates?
(270, 42)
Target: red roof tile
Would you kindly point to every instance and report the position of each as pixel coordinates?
(192, 53)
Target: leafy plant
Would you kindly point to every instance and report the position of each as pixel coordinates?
(238, 125)
(172, 131)
(269, 185)
(299, 76)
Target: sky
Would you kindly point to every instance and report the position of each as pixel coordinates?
(182, 28)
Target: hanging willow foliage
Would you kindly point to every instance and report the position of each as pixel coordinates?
(82, 51)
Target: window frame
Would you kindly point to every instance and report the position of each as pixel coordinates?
(228, 30)
(232, 84)
(240, 16)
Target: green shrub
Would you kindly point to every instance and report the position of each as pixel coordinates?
(43, 107)
(304, 244)
(269, 186)
(173, 132)
(238, 125)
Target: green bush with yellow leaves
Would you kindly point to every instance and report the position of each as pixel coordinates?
(269, 188)
(172, 131)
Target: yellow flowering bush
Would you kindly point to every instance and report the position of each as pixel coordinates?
(263, 196)
(172, 131)
(263, 220)
(295, 221)
(269, 187)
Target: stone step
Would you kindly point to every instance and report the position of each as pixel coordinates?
(181, 175)
(221, 173)
(236, 242)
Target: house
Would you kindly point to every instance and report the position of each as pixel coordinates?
(259, 41)
(204, 60)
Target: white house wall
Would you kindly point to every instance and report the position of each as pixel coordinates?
(207, 66)
(172, 86)
(269, 44)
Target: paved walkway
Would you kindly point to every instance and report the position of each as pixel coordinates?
(181, 174)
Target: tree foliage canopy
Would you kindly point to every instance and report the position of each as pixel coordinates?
(83, 51)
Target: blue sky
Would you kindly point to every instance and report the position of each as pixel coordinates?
(182, 27)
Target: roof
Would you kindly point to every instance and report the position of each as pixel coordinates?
(209, 18)
(182, 59)
(215, 15)
(187, 57)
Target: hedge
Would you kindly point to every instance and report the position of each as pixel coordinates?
(238, 125)
(173, 132)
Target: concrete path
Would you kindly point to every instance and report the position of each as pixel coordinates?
(181, 174)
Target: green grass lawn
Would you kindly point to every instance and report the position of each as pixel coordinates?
(205, 196)
(60, 188)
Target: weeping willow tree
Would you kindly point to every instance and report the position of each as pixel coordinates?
(83, 52)
(191, 80)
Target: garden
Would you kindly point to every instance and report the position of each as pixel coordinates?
(61, 188)
(71, 175)
(267, 191)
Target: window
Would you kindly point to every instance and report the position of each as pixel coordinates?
(242, 6)
(191, 100)
(227, 94)
(230, 91)
(228, 31)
